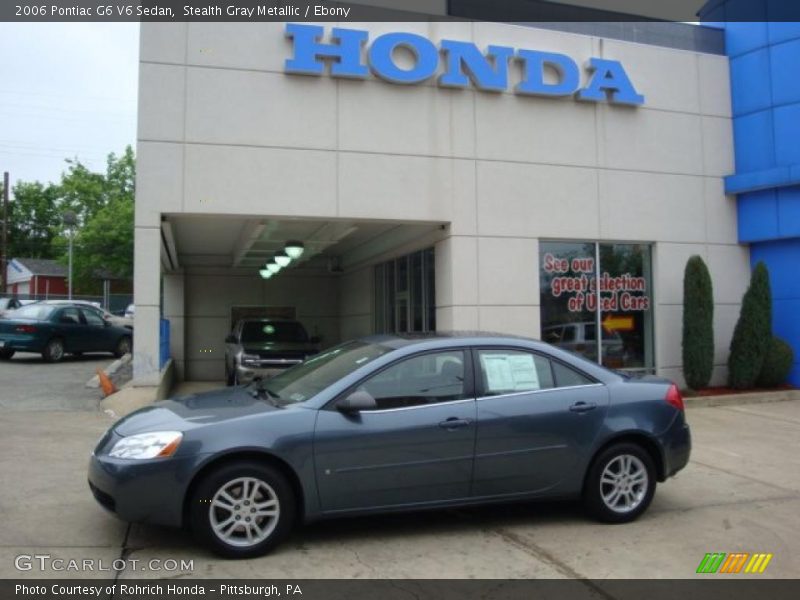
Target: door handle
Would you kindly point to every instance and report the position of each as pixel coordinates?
(454, 423)
(582, 407)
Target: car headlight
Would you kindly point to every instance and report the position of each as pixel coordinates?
(156, 444)
(250, 358)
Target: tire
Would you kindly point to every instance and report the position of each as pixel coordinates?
(207, 509)
(230, 378)
(6, 354)
(611, 500)
(54, 350)
(123, 346)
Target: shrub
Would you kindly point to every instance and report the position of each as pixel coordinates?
(752, 333)
(698, 324)
(777, 363)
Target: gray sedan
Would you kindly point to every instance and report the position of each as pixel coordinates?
(392, 423)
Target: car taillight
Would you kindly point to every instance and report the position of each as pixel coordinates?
(674, 397)
(25, 329)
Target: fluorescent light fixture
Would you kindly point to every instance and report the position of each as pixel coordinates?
(265, 273)
(282, 258)
(294, 249)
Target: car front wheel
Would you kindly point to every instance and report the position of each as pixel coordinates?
(54, 350)
(242, 510)
(620, 484)
(6, 354)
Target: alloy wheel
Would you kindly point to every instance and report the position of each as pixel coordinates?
(623, 483)
(244, 512)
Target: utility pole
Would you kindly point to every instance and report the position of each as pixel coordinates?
(4, 262)
(70, 220)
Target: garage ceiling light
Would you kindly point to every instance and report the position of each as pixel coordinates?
(294, 249)
(282, 258)
(272, 266)
(265, 273)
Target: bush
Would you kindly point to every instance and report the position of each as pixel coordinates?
(752, 333)
(698, 324)
(777, 363)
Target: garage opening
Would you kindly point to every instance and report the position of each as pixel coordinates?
(348, 279)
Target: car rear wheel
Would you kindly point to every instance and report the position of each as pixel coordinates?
(6, 354)
(620, 484)
(242, 510)
(123, 347)
(54, 350)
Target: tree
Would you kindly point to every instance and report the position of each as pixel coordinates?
(105, 204)
(34, 221)
(752, 332)
(698, 324)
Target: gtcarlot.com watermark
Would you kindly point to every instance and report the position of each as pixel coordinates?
(48, 562)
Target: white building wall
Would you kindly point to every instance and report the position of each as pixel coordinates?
(223, 130)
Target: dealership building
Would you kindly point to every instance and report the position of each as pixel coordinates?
(462, 176)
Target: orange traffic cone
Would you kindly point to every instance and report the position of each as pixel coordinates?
(105, 383)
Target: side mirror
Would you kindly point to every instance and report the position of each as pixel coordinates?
(356, 402)
(230, 339)
(315, 339)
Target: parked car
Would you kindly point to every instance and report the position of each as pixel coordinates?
(264, 347)
(8, 304)
(54, 329)
(388, 423)
(582, 339)
(104, 314)
(130, 311)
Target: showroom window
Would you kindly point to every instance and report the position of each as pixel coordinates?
(404, 294)
(574, 307)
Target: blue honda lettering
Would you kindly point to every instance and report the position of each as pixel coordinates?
(487, 72)
(534, 64)
(381, 57)
(308, 50)
(610, 81)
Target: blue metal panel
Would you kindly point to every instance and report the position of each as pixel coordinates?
(784, 69)
(754, 142)
(783, 31)
(750, 76)
(163, 343)
(745, 37)
(757, 216)
(787, 135)
(789, 213)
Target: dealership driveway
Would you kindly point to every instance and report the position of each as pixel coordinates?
(29, 383)
(741, 492)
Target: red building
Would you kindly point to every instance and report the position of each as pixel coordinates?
(36, 276)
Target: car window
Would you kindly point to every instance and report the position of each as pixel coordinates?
(93, 317)
(255, 332)
(567, 377)
(569, 334)
(510, 371)
(301, 382)
(36, 312)
(419, 380)
(69, 315)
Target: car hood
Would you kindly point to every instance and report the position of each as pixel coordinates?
(183, 413)
(277, 347)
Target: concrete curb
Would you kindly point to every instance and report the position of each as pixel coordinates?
(115, 366)
(739, 399)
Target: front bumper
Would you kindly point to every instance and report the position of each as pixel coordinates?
(147, 491)
(265, 370)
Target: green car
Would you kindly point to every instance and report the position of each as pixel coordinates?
(56, 329)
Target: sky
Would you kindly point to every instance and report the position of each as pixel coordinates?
(66, 90)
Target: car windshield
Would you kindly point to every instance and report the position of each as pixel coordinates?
(4, 302)
(36, 312)
(258, 332)
(307, 379)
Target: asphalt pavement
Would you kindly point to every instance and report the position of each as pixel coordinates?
(740, 493)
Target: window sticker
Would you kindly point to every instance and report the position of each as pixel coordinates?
(510, 372)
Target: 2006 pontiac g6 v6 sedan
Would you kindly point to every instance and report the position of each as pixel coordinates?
(392, 423)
